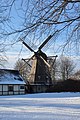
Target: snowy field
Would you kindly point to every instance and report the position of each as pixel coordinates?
(45, 106)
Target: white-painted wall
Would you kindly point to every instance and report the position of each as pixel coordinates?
(16, 90)
(0, 87)
(5, 87)
(16, 87)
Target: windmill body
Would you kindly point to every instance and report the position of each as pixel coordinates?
(40, 71)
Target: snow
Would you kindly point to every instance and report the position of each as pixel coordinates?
(42, 106)
(10, 77)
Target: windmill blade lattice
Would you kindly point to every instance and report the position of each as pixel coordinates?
(27, 46)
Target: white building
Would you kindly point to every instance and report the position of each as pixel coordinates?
(11, 83)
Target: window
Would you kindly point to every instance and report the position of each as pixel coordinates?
(21, 87)
(39, 76)
(10, 88)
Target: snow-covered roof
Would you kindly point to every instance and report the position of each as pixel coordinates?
(10, 77)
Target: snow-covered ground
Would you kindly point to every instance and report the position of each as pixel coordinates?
(44, 106)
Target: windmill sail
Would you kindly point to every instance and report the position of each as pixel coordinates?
(43, 44)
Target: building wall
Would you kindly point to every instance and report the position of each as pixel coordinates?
(39, 88)
(12, 89)
(0, 89)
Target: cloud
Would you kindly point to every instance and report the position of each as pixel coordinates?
(12, 57)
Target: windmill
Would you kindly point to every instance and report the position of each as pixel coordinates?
(40, 71)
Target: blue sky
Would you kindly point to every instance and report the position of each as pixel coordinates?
(19, 51)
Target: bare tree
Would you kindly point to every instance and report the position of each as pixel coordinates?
(2, 61)
(35, 19)
(3, 58)
(23, 69)
(66, 67)
(40, 17)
